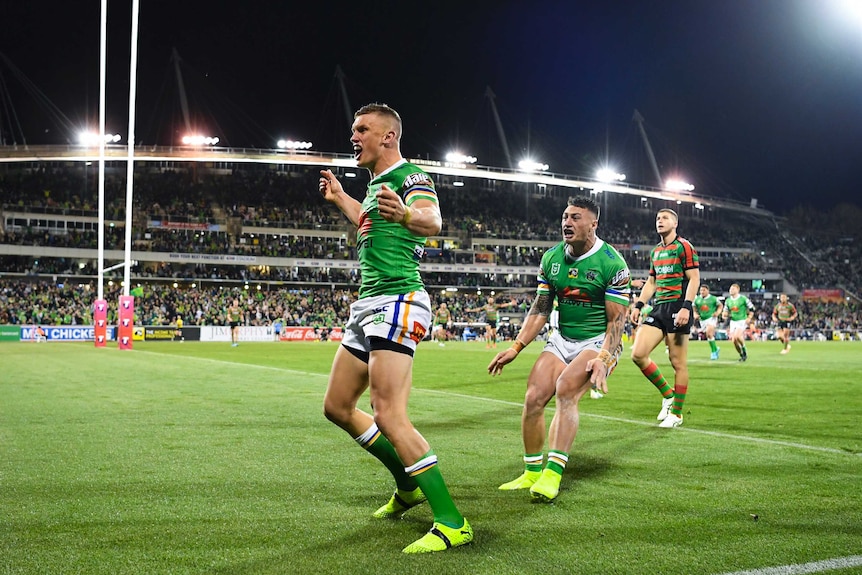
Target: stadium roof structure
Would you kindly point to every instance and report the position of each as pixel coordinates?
(83, 153)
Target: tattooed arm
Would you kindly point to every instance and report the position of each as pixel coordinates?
(616, 314)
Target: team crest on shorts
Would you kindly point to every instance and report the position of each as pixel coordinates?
(378, 319)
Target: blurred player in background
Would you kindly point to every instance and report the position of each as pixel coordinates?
(784, 314)
(391, 316)
(492, 316)
(740, 311)
(707, 308)
(442, 324)
(590, 280)
(674, 279)
(236, 317)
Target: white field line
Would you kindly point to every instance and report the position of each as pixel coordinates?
(800, 568)
(747, 438)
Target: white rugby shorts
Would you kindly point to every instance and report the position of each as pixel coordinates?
(402, 319)
(567, 350)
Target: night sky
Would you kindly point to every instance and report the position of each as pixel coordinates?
(742, 98)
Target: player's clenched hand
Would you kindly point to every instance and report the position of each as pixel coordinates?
(329, 185)
(501, 359)
(390, 206)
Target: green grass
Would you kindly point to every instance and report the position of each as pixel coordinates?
(202, 458)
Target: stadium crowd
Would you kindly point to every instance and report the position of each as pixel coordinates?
(180, 211)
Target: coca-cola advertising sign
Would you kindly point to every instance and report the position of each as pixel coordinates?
(311, 334)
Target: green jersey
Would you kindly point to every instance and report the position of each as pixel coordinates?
(668, 264)
(389, 253)
(583, 286)
(706, 307)
(738, 307)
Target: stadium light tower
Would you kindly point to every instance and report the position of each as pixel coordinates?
(528, 165)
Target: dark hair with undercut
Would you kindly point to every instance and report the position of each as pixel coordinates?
(586, 203)
(383, 110)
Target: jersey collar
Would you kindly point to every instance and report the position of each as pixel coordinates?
(390, 168)
(596, 247)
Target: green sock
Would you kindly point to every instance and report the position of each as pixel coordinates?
(375, 443)
(427, 474)
(557, 460)
(533, 462)
(712, 345)
(653, 373)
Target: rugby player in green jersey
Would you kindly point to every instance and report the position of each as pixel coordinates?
(391, 316)
(674, 279)
(707, 308)
(784, 313)
(740, 310)
(590, 281)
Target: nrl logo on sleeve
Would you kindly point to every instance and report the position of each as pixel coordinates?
(417, 178)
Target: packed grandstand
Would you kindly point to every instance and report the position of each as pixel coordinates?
(205, 232)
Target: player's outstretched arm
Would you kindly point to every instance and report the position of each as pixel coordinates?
(536, 319)
(333, 192)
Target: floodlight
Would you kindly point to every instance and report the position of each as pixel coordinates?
(293, 145)
(459, 158)
(198, 140)
(609, 175)
(678, 186)
(458, 184)
(532, 166)
(92, 138)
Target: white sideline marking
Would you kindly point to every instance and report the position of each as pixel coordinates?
(798, 569)
(519, 404)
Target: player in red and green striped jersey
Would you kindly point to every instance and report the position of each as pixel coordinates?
(674, 279)
(784, 313)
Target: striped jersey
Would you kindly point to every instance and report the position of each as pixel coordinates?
(784, 311)
(668, 264)
(582, 286)
(388, 252)
(442, 317)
